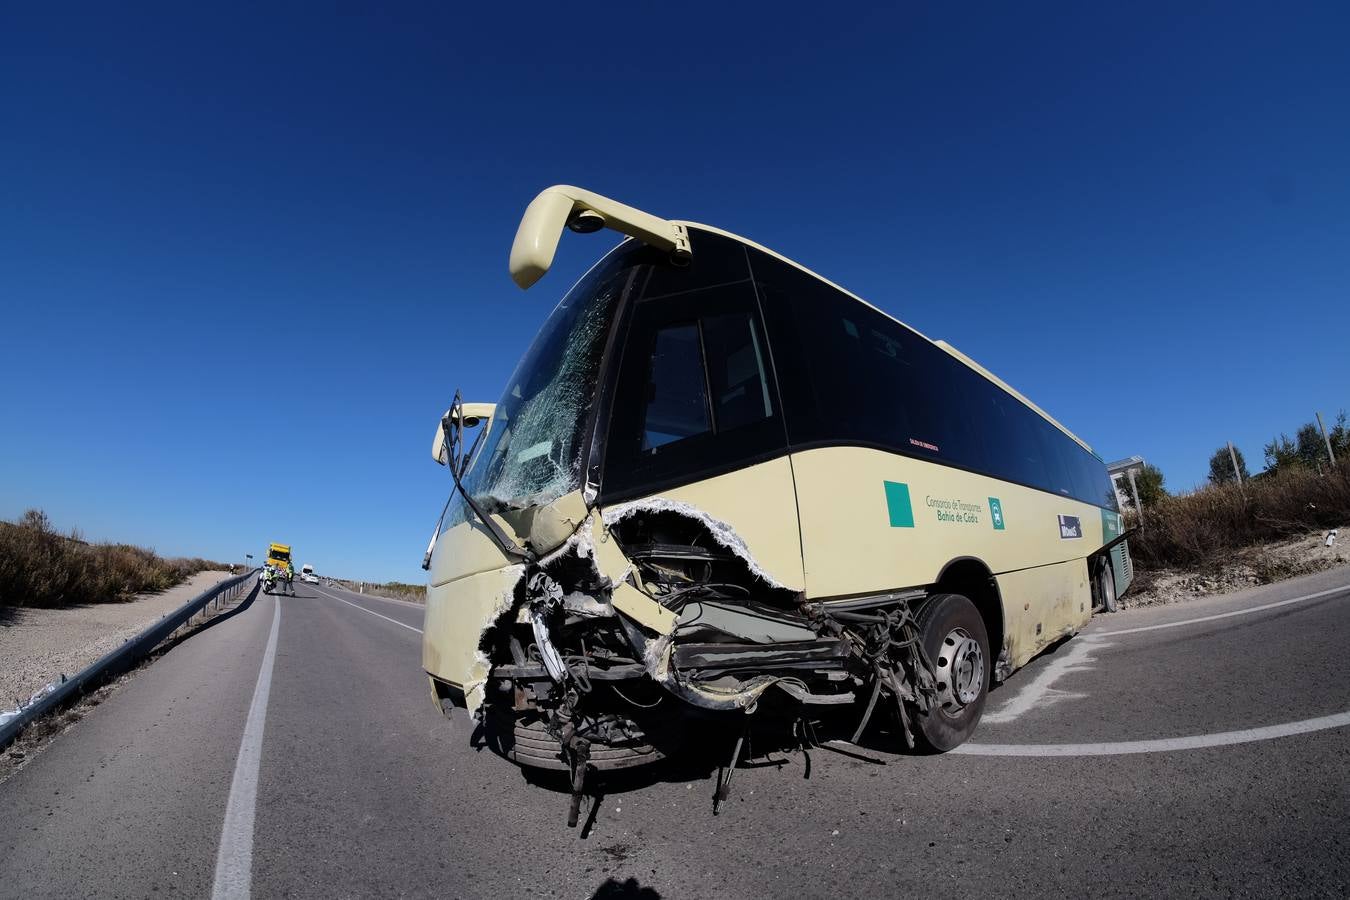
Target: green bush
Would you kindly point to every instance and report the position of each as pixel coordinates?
(1149, 482)
(1200, 527)
(1221, 466)
(42, 567)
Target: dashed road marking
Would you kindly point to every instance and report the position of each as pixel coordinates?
(1161, 745)
(234, 859)
(372, 612)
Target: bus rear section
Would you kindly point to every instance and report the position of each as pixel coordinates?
(718, 489)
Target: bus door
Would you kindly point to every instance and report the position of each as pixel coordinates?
(696, 419)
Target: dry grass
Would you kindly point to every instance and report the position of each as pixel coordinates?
(1205, 527)
(394, 590)
(1236, 570)
(42, 567)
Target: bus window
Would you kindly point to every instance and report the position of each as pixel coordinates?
(694, 394)
(859, 377)
(1055, 453)
(716, 261)
(677, 404)
(735, 371)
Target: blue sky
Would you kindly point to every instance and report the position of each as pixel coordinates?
(248, 253)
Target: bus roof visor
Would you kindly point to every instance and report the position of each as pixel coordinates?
(563, 206)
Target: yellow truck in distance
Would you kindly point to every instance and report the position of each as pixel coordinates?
(279, 555)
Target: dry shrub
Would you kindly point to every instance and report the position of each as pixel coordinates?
(417, 593)
(40, 566)
(1199, 528)
(395, 590)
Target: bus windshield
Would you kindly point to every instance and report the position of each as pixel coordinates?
(532, 453)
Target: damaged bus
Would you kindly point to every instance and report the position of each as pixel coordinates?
(717, 484)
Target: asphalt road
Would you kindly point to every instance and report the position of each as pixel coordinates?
(1123, 763)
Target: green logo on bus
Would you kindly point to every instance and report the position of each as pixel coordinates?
(897, 504)
(1110, 525)
(996, 513)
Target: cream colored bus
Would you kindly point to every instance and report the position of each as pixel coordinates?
(718, 485)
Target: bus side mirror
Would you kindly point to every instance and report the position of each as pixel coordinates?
(563, 206)
(471, 415)
(438, 448)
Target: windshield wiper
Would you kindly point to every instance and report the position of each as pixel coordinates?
(454, 419)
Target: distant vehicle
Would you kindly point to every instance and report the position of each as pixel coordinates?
(307, 574)
(276, 572)
(278, 555)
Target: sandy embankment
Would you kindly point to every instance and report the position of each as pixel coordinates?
(38, 645)
(1239, 570)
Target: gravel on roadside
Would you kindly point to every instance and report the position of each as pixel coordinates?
(37, 646)
(1254, 566)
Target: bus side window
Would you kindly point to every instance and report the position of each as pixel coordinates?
(735, 357)
(719, 358)
(677, 402)
(1057, 462)
(694, 394)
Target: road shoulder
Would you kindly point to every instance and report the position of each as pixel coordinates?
(40, 645)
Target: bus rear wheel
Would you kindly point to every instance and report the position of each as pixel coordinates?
(1106, 586)
(957, 643)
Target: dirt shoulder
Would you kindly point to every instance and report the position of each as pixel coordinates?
(39, 645)
(1247, 568)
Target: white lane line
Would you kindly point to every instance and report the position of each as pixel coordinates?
(1162, 745)
(1039, 692)
(234, 860)
(394, 600)
(1227, 615)
(372, 612)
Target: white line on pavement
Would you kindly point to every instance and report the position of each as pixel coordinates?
(234, 860)
(1039, 691)
(394, 600)
(1162, 745)
(1226, 615)
(372, 612)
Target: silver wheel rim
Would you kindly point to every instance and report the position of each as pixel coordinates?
(959, 668)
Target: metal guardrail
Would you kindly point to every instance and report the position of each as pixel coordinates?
(115, 662)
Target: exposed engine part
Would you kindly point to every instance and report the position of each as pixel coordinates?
(576, 685)
(553, 661)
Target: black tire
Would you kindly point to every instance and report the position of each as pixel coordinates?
(945, 728)
(1106, 586)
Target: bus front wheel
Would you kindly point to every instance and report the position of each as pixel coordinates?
(957, 643)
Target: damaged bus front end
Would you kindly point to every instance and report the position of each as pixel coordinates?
(652, 630)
